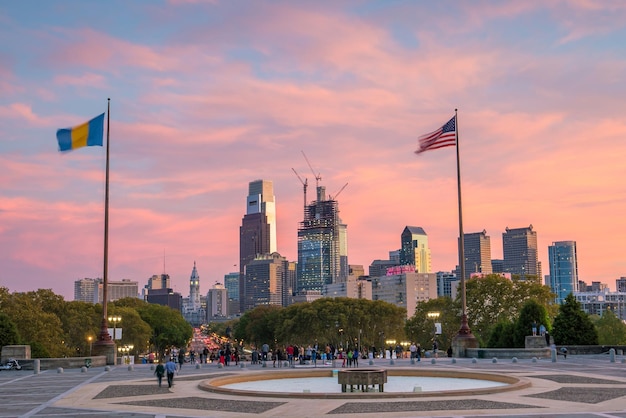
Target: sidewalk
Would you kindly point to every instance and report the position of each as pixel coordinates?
(580, 386)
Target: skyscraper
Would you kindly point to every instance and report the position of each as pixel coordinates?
(257, 234)
(563, 266)
(414, 249)
(519, 247)
(264, 281)
(477, 253)
(321, 237)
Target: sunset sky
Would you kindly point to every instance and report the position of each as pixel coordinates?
(207, 96)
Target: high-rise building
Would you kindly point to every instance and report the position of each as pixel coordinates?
(85, 290)
(620, 284)
(257, 234)
(446, 284)
(264, 281)
(519, 247)
(414, 249)
(477, 253)
(194, 307)
(217, 302)
(231, 283)
(405, 290)
(563, 265)
(321, 236)
(118, 290)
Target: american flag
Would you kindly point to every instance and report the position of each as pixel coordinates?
(442, 137)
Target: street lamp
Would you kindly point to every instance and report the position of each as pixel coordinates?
(90, 338)
(434, 316)
(115, 320)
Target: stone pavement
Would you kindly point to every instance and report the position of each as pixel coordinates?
(587, 386)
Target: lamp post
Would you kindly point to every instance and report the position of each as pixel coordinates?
(115, 320)
(434, 316)
(90, 338)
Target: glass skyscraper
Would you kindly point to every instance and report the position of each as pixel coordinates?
(519, 247)
(563, 269)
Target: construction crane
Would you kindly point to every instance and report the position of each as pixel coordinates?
(305, 183)
(317, 176)
(337, 194)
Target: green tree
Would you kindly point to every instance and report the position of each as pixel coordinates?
(8, 331)
(420, 328)
(532, 313)
(502, 335)
(572, 326)
(493, 298)
(611, 329)
(169, 328)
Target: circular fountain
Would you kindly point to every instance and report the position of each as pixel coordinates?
(327, 384)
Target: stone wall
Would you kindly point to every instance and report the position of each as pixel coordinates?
(14, 351)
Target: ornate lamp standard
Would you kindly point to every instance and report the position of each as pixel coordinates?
(434, 316)
(115, 320)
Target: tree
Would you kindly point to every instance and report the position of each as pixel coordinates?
(169, 328)
(611, 329)
(8, 331)
(502, 335)
(532, 313)
(572, 326)
(420, 328)
(493, 298)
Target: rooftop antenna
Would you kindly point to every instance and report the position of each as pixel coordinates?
(305, 183)
(317, 176)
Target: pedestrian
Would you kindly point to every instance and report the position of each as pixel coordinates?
(542, 330)
(159, 372)
(534, 327)
(413, 350)
(564, 352)
(181, 358)
(205, 352)
(264, 350)
(170, 369)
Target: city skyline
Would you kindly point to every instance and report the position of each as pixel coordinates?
(206, 98)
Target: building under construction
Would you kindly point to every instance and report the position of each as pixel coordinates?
(322, 245)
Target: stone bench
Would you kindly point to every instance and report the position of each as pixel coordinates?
(362, 378)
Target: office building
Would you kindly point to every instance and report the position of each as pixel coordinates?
(257, 234)
(264, 280)
(414, 249)
(477, 253)
(563, 265)
(405, 290)
(85, 290)
(446, 284)
(118, 290)
(217, 302)
(321, 236)
(231, 284)
(165, 297)
(352, 287)
(519, 247)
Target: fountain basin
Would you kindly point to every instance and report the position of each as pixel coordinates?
(217, 384)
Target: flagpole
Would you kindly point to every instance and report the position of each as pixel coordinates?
(105, 345)
(468, 340)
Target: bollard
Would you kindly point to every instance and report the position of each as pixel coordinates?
(242, 365)
(152, 367)
(534, 359)
(371, 362)
(83, 369)
(453, 360)
(433, 361)
(37, 366)
(131, 368)
(494, 360)
(107, 368)
(553, 355)
(612, 355)
(60, 370)
(514, 359)
(198, 366)
(474, 360)
(412, 361)
(392, 362)
(221, 365)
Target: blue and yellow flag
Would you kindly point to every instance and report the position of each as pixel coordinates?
(84, 135)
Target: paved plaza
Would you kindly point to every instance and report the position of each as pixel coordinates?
(584, 386)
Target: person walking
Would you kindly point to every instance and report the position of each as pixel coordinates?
(170, 368)
(159, 372)
(181, 358)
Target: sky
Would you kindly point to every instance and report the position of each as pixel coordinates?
(207, 96)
